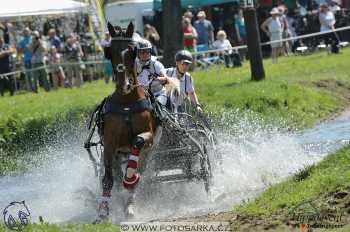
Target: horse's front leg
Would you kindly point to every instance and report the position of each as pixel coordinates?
(132, 175)
(107, 182)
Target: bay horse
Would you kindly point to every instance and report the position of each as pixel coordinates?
(129, 124)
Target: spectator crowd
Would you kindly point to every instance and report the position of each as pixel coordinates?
(276, 23)
(50, 61)
(55, 60)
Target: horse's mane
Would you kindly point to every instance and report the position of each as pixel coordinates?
(173, 85)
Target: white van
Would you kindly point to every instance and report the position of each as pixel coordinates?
(122, 12)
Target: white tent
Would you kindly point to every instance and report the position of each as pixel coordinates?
(18, 8)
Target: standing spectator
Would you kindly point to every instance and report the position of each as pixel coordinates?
(73, 55)
(9, 36)
(106, 42)
(326, 17)
(57, 73)
(27, 57)
(273, 28)
(87, 72)
(286, 33)
(223, 43)
(291, 23)
(5, 67)
(190, 35)
(188, 14)
(204, 29)
(151, 34)
(54, 39)
(240, 27)
(327, 22)
(334, 7)
(38, 50)
(241, 32)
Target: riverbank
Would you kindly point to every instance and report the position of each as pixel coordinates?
(317, 197)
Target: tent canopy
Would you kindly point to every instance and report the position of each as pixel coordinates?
(157, 4)
(18, 8)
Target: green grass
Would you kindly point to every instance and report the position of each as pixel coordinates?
(286, 93)
(28, 120)
(29, 106)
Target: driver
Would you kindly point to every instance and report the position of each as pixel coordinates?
(151, 73)
(183, 60)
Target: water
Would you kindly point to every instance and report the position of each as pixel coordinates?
(327, 137)
(64, 188)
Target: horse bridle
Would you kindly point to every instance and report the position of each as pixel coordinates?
(121, 68)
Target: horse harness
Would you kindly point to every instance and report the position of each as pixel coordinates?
(107, 106)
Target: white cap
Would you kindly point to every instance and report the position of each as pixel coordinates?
(274, 11)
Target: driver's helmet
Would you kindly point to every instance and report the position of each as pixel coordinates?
(144, 45)
(184, 56)
(135, 39)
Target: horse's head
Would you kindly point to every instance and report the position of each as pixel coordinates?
(122, 54)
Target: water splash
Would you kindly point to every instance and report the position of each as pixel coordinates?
(254, 156)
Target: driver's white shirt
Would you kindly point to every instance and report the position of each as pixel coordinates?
(145, 73)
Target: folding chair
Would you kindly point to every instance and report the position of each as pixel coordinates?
(204, 61)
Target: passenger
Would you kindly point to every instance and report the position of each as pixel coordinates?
(183, 60)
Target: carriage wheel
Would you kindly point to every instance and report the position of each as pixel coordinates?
(206, 172)
(205, 168)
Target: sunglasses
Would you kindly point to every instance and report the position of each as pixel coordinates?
(144, 52)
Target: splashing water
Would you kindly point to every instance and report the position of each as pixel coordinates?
(64, 188)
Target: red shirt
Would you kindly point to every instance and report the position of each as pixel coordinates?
(189, 42)
(266, 2)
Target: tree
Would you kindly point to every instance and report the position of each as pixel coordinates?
(253, 42)
(172, 30)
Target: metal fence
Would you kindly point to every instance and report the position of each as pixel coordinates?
(95, 68)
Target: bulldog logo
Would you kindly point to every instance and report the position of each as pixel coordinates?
(16, 215)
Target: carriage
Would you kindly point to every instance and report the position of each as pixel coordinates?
(138, 135)
(181, 153)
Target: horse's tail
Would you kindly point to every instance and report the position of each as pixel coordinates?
(173, 85)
